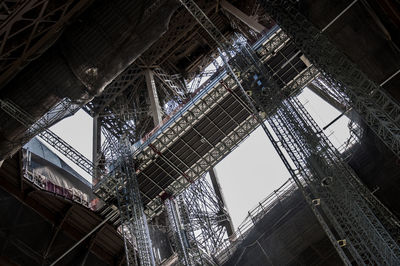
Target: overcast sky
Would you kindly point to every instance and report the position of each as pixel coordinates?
(248, 174)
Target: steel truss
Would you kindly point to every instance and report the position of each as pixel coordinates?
(133, 219)
(379, 111)
(26, 27)
(182, 236)
(189, 116)
(205, 97)
(40, 128)
(206, 214)
(360, 223)
(192, 112)
(356, 215)
(127, 94)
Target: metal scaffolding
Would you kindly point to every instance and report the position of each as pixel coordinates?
(379, 111)
(328, 180)
(40, 128)
(360, 228)
(206, 214)
(188, 252)
(133, 220)
(358, 224)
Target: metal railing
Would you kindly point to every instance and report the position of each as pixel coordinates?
(229, 246)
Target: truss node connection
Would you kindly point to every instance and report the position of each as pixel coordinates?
(40, 128)
(133, 219)
(206, 215)
(379, 111)
(319, 171)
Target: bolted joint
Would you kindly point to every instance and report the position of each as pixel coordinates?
(327, 181)
(342, 242)
(316, 202)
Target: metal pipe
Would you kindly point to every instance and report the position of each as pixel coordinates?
(336, 119)
(389, 78)
(338, 16)
(86, 236)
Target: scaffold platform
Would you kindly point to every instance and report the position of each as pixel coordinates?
(207, 128)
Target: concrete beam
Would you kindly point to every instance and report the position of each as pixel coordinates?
(249, 21)
(155, 107)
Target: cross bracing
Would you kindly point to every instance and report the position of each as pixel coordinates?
(206, 215)
(268, 96)
(377, 108)
(293, 125)
(206, 129)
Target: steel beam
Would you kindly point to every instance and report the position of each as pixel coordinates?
(378, 110)
(96, 148)
(251, 22)
(218, 191)
(112, 215)
(39, 22)
(155, 108)
(57, 229)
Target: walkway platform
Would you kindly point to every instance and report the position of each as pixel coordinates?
(207, 128)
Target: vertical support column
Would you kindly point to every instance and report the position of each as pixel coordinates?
(96, 149)
(155, 107)
(378, 110)
(217, 189)
(180, 240)
(131, 208)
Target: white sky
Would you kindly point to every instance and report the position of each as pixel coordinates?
(254, 170)
(248, 174)
(76, 131)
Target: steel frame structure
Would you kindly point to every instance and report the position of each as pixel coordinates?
(327, 178)
(26, 27)
(133, 219)
(206, 215)
(379, 111)
(188, 252)
(197, 223)
(209, 96)
(173, 129)
(358, 222)
(224, 88)
(40, 128)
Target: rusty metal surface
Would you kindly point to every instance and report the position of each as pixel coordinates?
(29, 27)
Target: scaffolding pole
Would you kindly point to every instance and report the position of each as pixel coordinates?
(178, 233)
(319, 164)
(133, 219)
(379, 111)
(355, 223)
